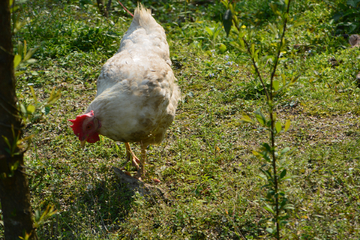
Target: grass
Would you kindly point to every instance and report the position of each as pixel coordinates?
(205, 164)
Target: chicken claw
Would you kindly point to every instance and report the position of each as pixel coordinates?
(134, 159)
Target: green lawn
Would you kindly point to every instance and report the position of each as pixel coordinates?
(205, 164)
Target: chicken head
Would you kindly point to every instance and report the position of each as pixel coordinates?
(86, 127)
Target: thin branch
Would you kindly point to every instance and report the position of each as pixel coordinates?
(125, 8)
(277, 212)
(257, 69)
(281, 43)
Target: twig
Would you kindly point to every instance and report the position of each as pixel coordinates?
(281, 42)
(256, 69)
(125, 8)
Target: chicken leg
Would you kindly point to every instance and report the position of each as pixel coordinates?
(141, 171)
(131, 154)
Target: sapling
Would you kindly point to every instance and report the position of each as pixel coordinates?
(273, 171)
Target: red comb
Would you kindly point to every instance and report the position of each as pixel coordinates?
(78, 122)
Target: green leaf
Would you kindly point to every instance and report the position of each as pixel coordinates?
(46, 110)
(210, 31)
(17, 60)
(227, 21)
(246, 118)
(242, 33)
(7, 141)
(274, 29)
(283, 78)
(266, 147)
(298, 23)
(274, 8)
(283, 203)
(18, 73)
(23, 109)
(276, 85)
(294, 79)
(278, 126)
(235, 45)
(53, 96)
(14, 166)
(283, 173)
(242, 43)
(257, 154)
(222, 48)
(260, 117)
(20, 47)
(256, 55)
(289, 206)
(252, 49)
(352, 3)
(216, 32)
(288, 178)
(14, 8)
(263, 177)
(225, 3)
(18, 24)
(267, 158)
(287, 125)
(285, 150)
(33, 94)
(269, 208)
(267, 173)
(30, 109)
(30, 53)
(236, 30)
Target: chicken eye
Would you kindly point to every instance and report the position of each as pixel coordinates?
(88, 127)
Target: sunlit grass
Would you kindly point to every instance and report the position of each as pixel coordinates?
(205, 163)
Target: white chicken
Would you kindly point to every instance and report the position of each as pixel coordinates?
(136, 91)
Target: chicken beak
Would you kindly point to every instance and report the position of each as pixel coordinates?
(82, 144)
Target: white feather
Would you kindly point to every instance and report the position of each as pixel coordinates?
(136, 91)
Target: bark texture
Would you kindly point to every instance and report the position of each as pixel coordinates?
(14, 188)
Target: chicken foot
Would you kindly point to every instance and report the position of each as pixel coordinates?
(131, 154)
(139, 164)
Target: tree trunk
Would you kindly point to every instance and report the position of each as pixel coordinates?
(14, 188)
